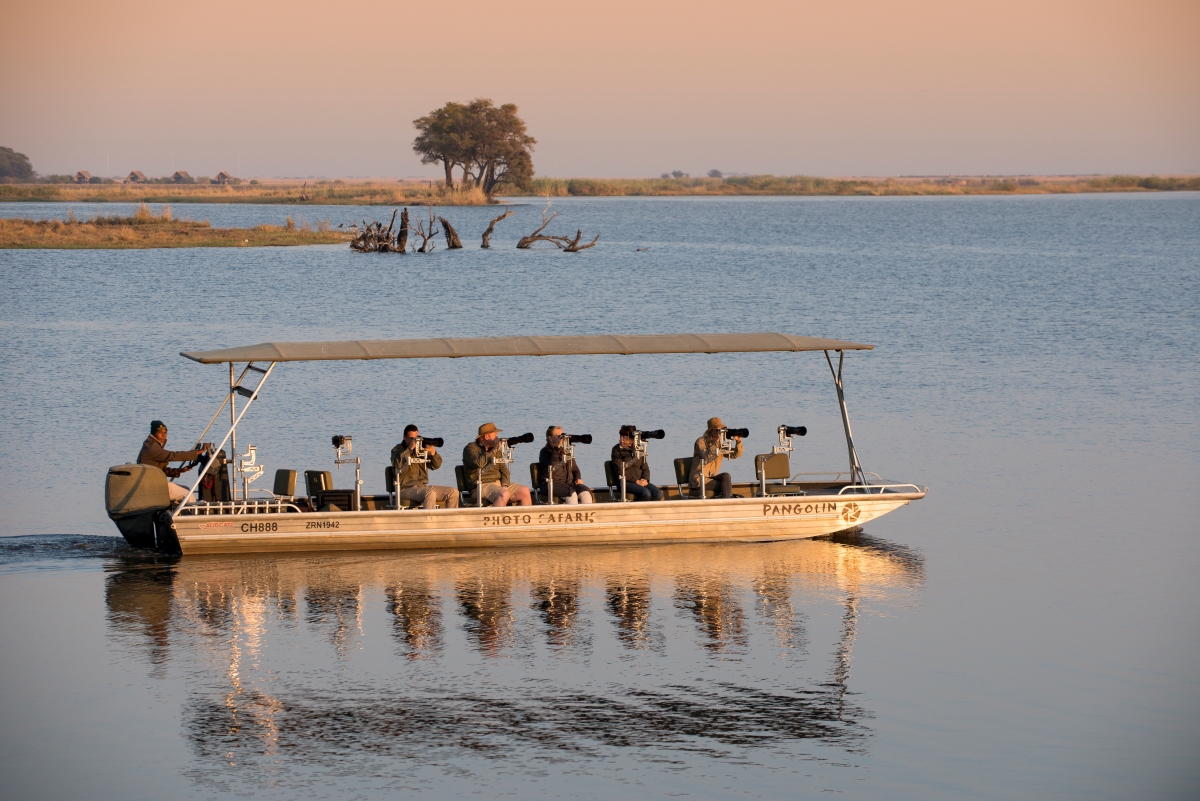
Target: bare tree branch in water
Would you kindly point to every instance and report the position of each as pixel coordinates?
(573, 246)
(527, 242)
(487, 235)
(426, 234)
(452, 240)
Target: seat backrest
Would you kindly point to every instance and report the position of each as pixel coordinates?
(285, 483)
(535, 473)
(316, 481)
(683, 470)
(389, 478)
(611, 474)
(774, 466)
(460, 475)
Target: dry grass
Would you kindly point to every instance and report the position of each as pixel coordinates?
(805, 185)
(319, 193)
(148, 230)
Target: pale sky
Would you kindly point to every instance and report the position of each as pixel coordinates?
(621, 88)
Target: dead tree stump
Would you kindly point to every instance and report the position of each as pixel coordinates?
(452, 240)
(402, 235)
(487, 235)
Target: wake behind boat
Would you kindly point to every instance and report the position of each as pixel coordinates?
(220, 514)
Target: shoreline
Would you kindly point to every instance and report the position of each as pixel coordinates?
(411, 193)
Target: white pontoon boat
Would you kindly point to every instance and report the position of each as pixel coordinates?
(223, 516)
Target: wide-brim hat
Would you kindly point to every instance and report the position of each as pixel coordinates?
(715, 423)
(488, 428)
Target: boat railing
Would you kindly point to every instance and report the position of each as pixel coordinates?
(877, 489)
(254, 506)
(834, 476)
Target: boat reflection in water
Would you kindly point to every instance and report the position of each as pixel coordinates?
(368, 660)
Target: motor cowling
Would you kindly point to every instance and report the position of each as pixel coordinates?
(134, 495)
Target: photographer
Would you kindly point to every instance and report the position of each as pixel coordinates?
(479, 462)
(637, 472)
(707, 457)
(568, 484)
(412, 477)
(155, 454)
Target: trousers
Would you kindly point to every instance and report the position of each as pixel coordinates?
(430, 495)
(640, 493)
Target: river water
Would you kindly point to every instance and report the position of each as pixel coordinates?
(1029, 630)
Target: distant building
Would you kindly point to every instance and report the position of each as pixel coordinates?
(136, 177)
(82, 177)
(181, 177)
(223, 178)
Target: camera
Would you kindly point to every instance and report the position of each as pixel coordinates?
(656, 434)
(737, 432)
(794, 431)
(340, 441)
(436, 442)
(527, 437)
(583, 439)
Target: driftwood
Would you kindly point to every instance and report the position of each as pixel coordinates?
(304, 192)
(452, 240)
(426, 234)
(563, 243)
(527, 242)
(402, 236)
(487, 235)
(573, 246)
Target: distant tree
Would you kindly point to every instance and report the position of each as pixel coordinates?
(15, 165)
(679, 174)
(715, 174)
(488, 143)
(666, 175)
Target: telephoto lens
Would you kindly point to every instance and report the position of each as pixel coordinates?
(737, 432)
(795, 431)
(526, 437)
(656, 434)
(339, 440)
(436, 442)
(582, 439)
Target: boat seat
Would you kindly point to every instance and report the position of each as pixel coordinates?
(535, 475)
(775, 467)
(613, 477)
(683, 472)
(464, 492)
(314, 482)
(343, 499)
(285, 484)
(389, 483)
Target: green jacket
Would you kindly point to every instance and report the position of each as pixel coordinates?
(409, 474)
(706, 452)
(475, 458)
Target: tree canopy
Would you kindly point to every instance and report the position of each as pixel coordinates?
(15, 165)
(488, 143)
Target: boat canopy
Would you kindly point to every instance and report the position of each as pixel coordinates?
(616, 344)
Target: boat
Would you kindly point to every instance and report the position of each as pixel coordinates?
(224, 515)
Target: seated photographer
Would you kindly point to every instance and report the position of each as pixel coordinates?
(707, 457)
(479, 462)
(637, 472)
(412, 478)
(155, 454)
(568, 484)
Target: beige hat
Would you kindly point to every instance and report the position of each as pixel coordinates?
(488, 428)
(715, 423)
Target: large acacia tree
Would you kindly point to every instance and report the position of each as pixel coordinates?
(488, 143)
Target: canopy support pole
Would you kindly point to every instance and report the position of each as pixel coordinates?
(856, 471)
(251, 396)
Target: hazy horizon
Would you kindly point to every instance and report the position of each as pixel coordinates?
(865, 89)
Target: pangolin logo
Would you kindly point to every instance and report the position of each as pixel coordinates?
(851, 512)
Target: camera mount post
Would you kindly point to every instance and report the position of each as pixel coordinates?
(249, 470)
(344, 446)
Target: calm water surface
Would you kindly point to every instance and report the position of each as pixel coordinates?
(1029, 630)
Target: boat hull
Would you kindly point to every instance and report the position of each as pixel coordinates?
(731, 520)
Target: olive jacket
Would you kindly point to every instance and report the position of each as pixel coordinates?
(412, 474)
(708, 452)
(475, 458)
(636, 468)
(153, 453)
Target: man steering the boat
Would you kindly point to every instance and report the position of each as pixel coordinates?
(412, 459)
(480, 464)
(706, 460)
(154, 453)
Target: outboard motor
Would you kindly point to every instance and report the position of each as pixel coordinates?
(136, 499)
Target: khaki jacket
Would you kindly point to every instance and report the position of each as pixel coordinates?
(475, 458)
(153, 453)
(409, 474)
(706, 450)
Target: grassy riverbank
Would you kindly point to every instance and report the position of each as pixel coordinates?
(418, 193)
(148, 230)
